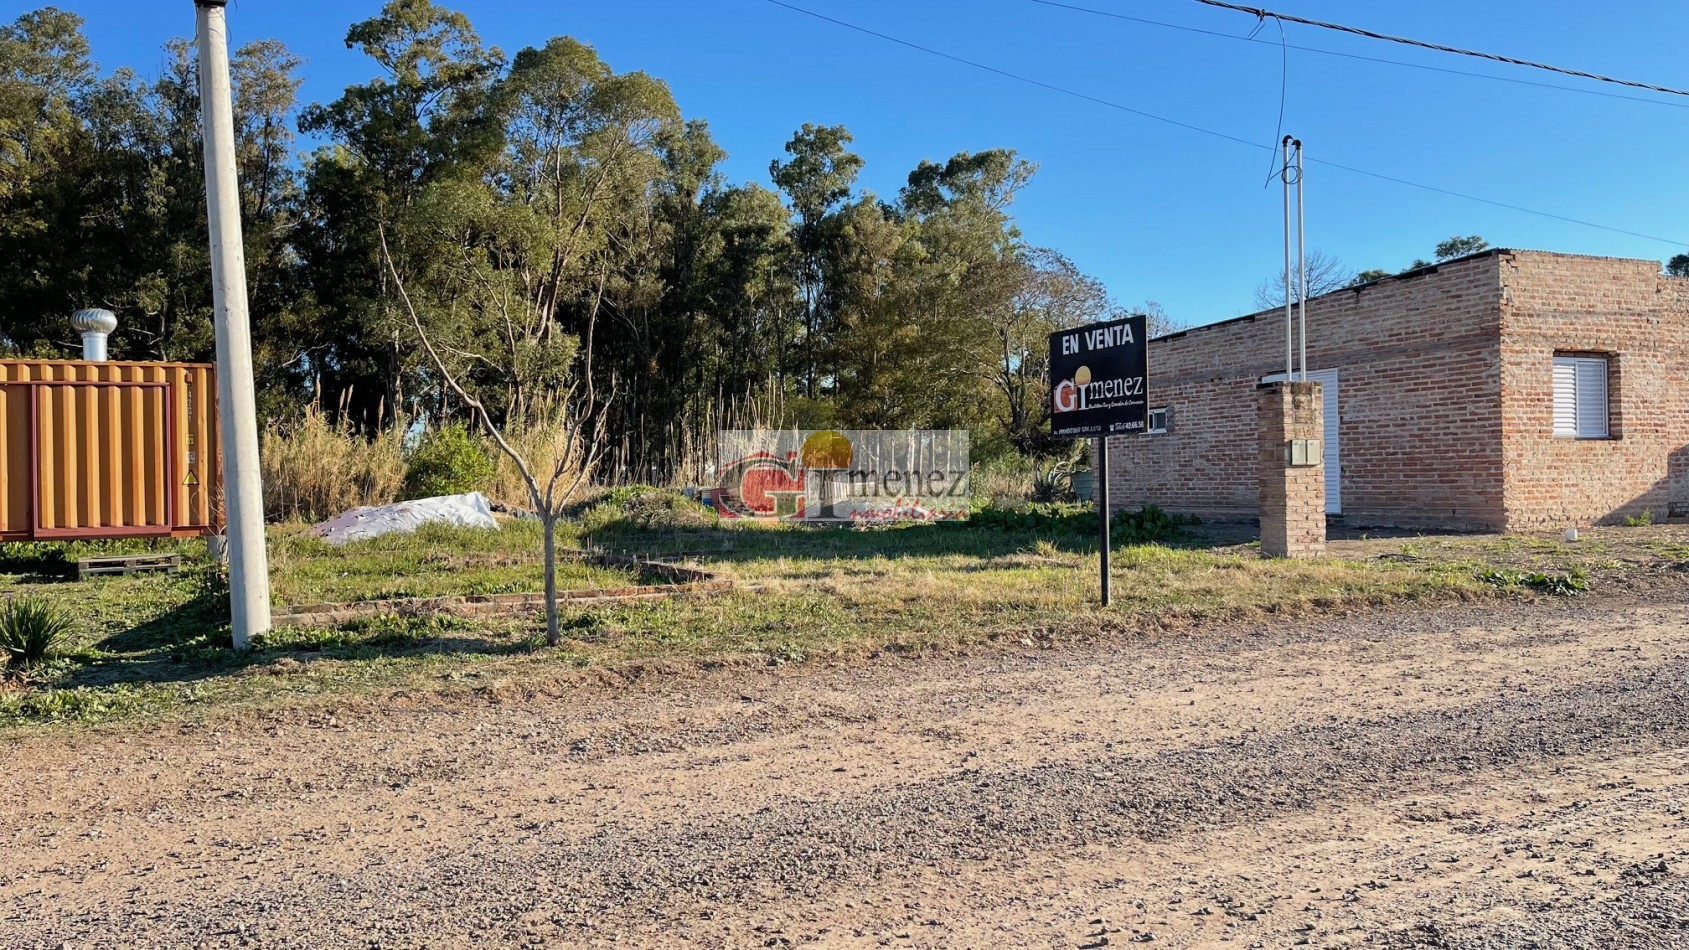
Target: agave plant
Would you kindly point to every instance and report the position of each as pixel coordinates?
(1052, 480)
(29, 630)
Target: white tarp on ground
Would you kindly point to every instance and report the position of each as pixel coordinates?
(470, 511)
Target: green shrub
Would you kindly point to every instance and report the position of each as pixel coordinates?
(1055, 517)
(448, 461)
(1149, 525)
(33, 557)
(1642, 520)
(30, 629)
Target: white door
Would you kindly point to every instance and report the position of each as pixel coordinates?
(1333, 458)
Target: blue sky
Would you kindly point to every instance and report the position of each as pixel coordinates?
(1155, 211)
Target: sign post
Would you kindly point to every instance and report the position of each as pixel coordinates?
(1099, 381)
(1103, 509)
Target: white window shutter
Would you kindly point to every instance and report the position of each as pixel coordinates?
(1592, 399)
(1580, 397)
(1565, 397)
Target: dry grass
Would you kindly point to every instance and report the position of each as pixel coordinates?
(541, 444)
(314, 468)
(1008, 479)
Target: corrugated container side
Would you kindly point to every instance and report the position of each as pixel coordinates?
(108, 450)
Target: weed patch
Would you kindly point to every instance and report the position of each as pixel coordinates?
(1566, 584)
(634, 509)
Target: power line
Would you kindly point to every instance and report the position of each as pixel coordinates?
(1368, 59)
(1283, 95)
(1016, 76)
(1211, 132)
(1371, 35)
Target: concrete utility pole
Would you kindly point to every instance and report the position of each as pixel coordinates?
(1289, 275)
(249, 565)
(1301, 269)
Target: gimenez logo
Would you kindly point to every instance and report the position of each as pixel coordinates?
(1069, 394)
(855, 476)
(1082, 392)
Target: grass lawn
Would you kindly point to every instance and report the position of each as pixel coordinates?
(433, 562)
(149, 646)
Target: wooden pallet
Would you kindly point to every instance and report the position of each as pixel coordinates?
(128, 564)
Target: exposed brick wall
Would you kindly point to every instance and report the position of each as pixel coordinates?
(1624, 309)
(1291, 497)
(1418, 358)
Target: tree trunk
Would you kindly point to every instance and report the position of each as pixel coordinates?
(552, 636)
(395, 385)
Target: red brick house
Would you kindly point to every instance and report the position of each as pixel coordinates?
(1508, 390)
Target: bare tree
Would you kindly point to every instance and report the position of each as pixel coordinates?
(1157, 321)
(1325, 274)
(573, 450)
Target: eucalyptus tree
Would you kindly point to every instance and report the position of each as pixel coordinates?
(104, 194)
(817, 179)
(521, 260)
(954, 285)
(45, 71)
(583, 154)
(48, 171)
(745, 283)
(424, 119)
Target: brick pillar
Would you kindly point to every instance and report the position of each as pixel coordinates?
(1292, 497)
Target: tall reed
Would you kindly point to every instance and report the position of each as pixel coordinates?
(315, 468)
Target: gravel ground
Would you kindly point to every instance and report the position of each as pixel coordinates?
(1468, 776)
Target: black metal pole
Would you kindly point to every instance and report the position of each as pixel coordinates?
(1103, 510)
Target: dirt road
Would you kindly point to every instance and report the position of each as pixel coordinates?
(1494, 776)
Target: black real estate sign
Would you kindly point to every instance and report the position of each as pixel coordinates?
(1099, 382)
(1099, 376)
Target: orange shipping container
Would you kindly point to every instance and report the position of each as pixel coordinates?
(108, 450)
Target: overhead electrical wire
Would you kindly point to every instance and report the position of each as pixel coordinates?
(1422, 44)
(1283, 95)
(1016, 76)
(1098, 100)
(1367, 59)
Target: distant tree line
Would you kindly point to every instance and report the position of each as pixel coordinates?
(558, 226)
(1326, 273)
